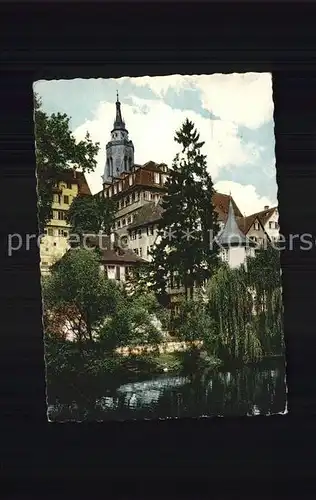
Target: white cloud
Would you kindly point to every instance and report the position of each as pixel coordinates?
(161, 84)
(245, 99)
(152, 125)
(245, 196)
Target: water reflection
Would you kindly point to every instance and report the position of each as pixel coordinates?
(257, 390)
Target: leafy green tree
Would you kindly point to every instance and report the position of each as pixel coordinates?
(91, 214)
(134, 323)
(264, 279)
(189, 222)
(231, 307)
(56, 152)
(194, 323)
(77, 283)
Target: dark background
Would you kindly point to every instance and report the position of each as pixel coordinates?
(255, 457)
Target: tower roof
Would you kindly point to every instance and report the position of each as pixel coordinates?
(119, 122)
(231, 235)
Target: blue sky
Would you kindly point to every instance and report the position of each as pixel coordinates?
(233, 114)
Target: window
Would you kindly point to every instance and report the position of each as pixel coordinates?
(270, 225)
(55, 244)
(145, 195)
(55, 214)
(124, 222)
(61, 215)
(56, 198)
(139, 234)
(225, 255)
(152, 196)
(120, 186)
(133, 236)
(136, 196)
(130, 180)
(114, 189)
(128, 200)
(118, 273)
(129, 220)
(149, 249)
(69, 185)
(136, 251)
(118, 223)
(156, 178)
(151, 230)
(120, 204)
(45, 231)
(50, 231)
(140, 251)
(66, 200)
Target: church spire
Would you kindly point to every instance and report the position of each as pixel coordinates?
(119, 150)
(119, 124)
(231, 235)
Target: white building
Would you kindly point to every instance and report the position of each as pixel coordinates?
(236, 246)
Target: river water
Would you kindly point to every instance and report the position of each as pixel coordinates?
(251, 390)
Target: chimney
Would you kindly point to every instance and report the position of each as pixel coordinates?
(266, 207)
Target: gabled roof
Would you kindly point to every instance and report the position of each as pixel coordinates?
(263, 216)
(147, 214)
(119, 255)
(112, 252)
(76, 177)
(221, 206)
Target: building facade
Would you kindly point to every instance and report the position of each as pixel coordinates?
(54, 243)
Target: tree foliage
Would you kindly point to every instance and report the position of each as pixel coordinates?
(56, 152)
(246, 304)
(136, 322)
(91, 214)
(189, 222)
(77, 284)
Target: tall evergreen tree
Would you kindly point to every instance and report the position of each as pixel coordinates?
(186, 248)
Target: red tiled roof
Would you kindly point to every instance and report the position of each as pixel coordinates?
(221, 205)
(151, 212)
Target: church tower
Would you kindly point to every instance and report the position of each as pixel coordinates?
(119, 150)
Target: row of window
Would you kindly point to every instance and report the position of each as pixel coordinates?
(109, 270)
(64, 185)
(59, 214)
(139, 251)
(62, 199)
(135, 197)
(149, 230)
(272, 225)
(117, 187)
(56, 232)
